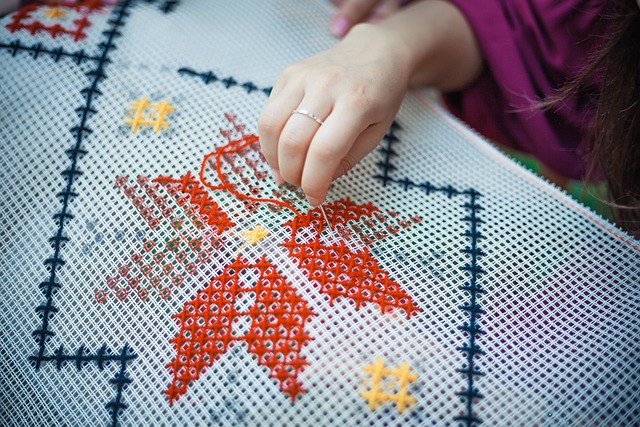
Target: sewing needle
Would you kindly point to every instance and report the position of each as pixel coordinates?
(325, 218)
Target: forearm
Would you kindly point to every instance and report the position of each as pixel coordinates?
(441, 48)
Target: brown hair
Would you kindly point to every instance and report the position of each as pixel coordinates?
(614, 146)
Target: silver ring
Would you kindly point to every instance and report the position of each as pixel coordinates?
(308, 114)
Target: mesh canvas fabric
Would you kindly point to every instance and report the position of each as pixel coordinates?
(152, 273)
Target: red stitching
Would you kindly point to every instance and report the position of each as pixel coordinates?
(207, 207)
(238, 146)
(84, 7)
(278, 315)
(276, 335)
(153, 262)
(339, 271)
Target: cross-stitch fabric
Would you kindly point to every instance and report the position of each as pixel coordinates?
(152, 272)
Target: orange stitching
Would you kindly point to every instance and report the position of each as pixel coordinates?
(208, 208)
(152, 258)
(276, 335)
(339, 271)
(279, 315)
(235, 147)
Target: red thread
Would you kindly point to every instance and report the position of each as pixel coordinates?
(165, 293)
(278, 315)
(276, 335)
(84, 7)
(214, 215)
(133, 282)
(339, 271)
(100, 296)
(147, 212)
(123, 270)
(157, 254)
(121, 180)
(237, 146)
(121, 294)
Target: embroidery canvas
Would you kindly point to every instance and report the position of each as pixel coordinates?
(154, 274)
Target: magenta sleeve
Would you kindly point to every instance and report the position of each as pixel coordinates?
(532, 48)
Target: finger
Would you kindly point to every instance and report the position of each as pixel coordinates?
(384, 9)
(273, 119)
(9, 6)
(331, 143)
(366, 142)
(297, 136)
(350, 13)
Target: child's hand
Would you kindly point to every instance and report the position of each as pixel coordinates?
(352, 12)
(355, 87)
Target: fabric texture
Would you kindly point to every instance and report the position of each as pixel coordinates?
(152, 273)
(531, 50)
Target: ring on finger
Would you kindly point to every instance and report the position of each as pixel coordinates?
(308, 114)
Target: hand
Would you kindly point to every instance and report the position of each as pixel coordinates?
(356, 87)
(352, 12)
(8, 6)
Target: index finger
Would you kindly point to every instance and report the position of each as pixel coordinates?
(330, 144)
(273, 119)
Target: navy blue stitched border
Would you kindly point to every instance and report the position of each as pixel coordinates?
(47, 309)
(209, 77)
(470, 349)
(37, 49)
(167, 6)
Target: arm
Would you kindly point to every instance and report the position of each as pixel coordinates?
(444, 51)
(356, 87)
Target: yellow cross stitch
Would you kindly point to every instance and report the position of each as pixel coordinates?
(379, 392)
(254, 236)
(146, 114)
(54, 12)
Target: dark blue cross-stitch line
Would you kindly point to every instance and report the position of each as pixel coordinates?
(47, 309)
(387, 152)
(228, 82)
(470, 349)
(473, 288)
(38, 50)
(167, 6)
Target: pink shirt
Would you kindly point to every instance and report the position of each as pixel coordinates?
(532, 48)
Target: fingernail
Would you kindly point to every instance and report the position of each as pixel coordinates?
(340, 26)
(313, 201)
(277, 177)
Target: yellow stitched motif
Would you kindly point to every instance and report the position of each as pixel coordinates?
(146, 114)
(54, 13)
(254, 236)
(382, 391)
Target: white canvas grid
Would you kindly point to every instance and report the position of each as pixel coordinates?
(530, 238)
